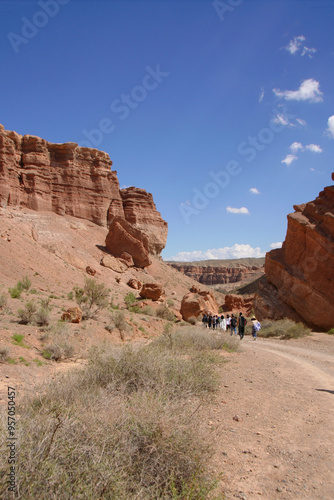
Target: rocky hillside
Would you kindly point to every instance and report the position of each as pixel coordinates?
(301, 273)
(214, 272)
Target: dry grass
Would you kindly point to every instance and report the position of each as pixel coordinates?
(127, 426)
(284, 329)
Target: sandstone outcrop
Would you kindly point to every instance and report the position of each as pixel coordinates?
(61, 178)
(114, 264)
(124, 237)
(221, 272)
(140, 211)
(71, 180)
(302, 271)
(238, 303)
(196, 304)
(153, 291)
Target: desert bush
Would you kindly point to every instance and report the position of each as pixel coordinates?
(149, 311)
(148, 439)
(42, 316)
(129, 299)
(24, 284)
(119, 321)
(60, 342)
(3, 303)
(165, 313)
(27, 314)
(283, 328)
(330, 332)
(170, 302)
(192, 340)
(92, 298)
(4, 353)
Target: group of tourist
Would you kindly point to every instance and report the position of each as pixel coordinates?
(231, 323)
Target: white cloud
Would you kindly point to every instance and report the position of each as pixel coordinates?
(314, 148)
(254, 191)
(278, 244)
(308, 52)
(295, 44)
(237, 251)
(301, 122)
(280, 119)
(261, 96)
(308, 91)
(242, 210)
(289, 159)
(296, 146)
(330, 129)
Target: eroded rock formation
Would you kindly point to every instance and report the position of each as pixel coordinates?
(215, 273)
(196, 304)
(70, 180)
(302, 271)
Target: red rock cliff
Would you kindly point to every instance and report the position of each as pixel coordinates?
(219, 274)
(303, 269)
(67, 179)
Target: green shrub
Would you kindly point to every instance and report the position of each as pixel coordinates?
(18, 340)
(92, 298)
(15, 292)
(27, 314)
(24, 284)
(70, 296)
(148, 310)
(170, 302)
(129, 299)
(330, 332)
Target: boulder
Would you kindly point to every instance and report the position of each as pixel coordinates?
(153, 291)
(72, 315)
(90, 271)
(123, 237)
(135, 284)
(196, 304)
(127, 259)
(114, 264)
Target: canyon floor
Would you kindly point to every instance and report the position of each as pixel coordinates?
(274, 420)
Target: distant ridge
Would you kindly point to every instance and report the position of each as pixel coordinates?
(246, 261)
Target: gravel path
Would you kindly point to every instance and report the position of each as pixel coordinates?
(274, 420)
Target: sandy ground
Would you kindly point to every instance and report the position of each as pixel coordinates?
(274, 420)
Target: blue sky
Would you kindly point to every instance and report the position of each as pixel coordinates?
(223, 110)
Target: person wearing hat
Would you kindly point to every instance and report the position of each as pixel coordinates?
(256, 325)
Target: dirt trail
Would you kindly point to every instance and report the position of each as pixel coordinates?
(275, 420)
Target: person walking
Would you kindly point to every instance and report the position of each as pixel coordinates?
(256, 326)
(222, 322)
(233, 325)
(209, 320)
(228, 322)
(241, 325)
(205, 320)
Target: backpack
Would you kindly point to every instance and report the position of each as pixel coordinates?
(243, 321)
(233, 322)
(257, 326)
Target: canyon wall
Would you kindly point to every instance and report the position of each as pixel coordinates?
(70, 180)
(220, 272)
(302, 271)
